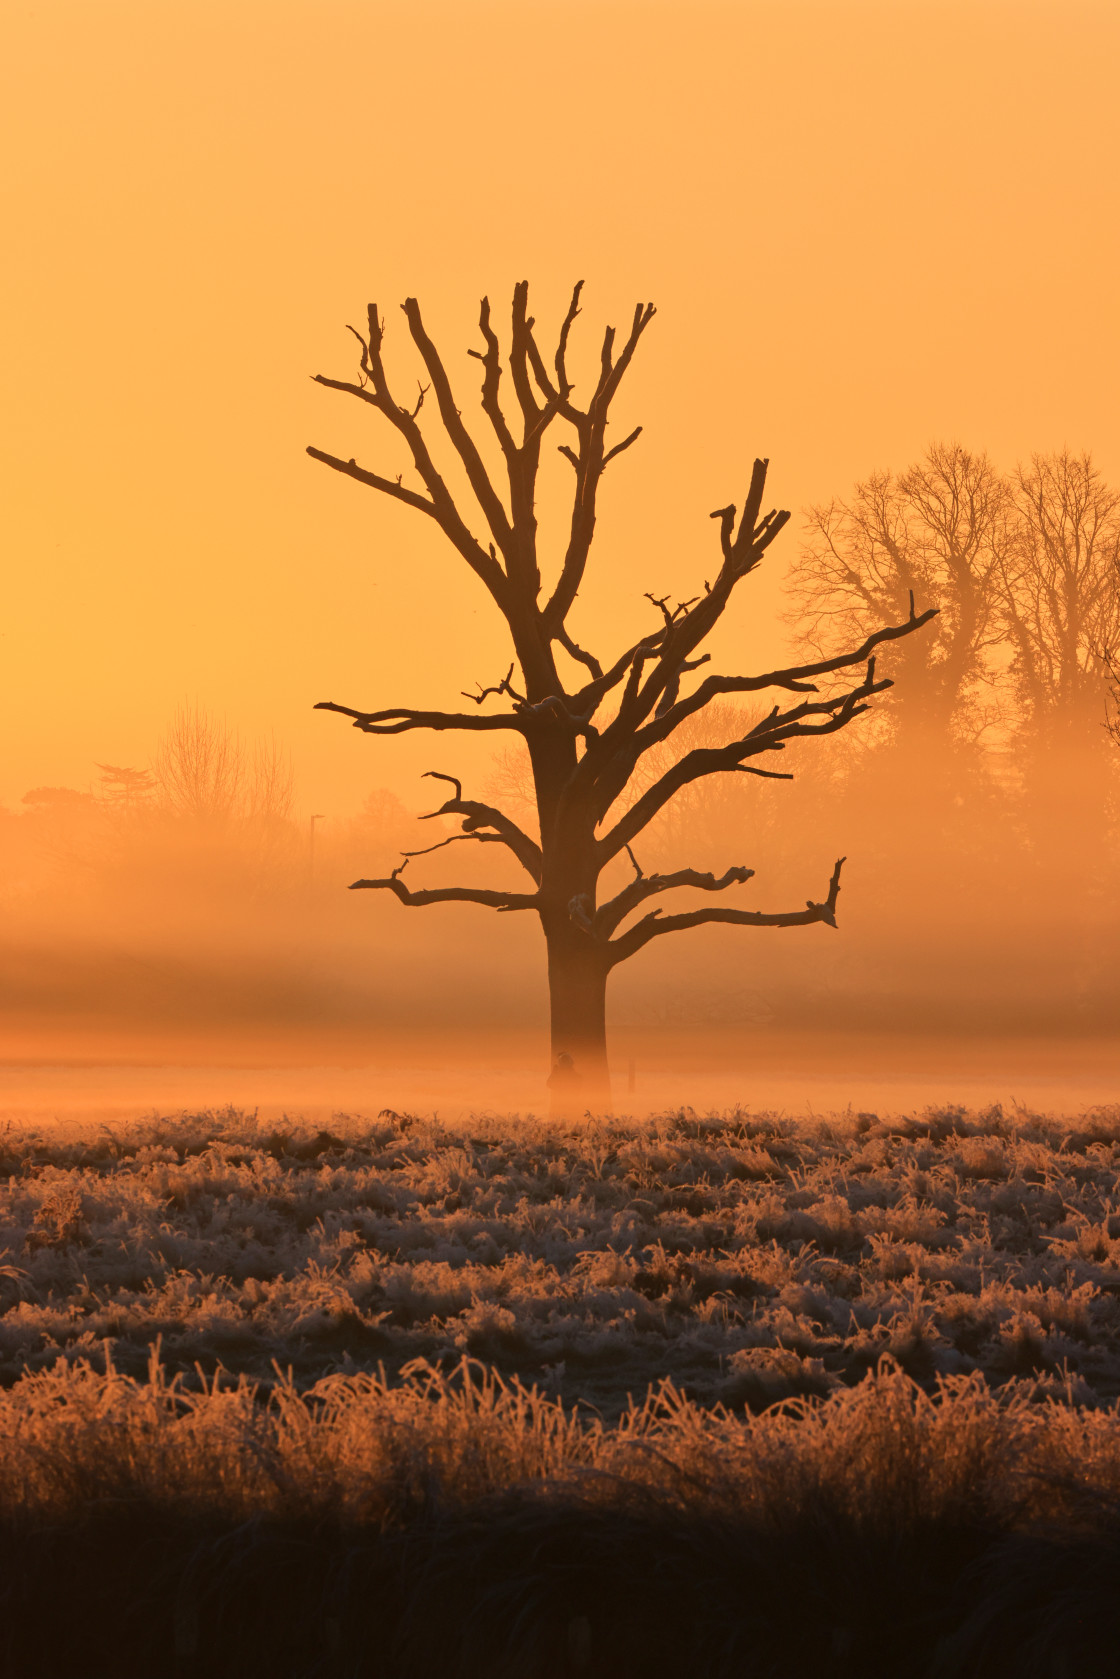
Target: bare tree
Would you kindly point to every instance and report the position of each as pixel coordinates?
(205, 773)
(1061, 593)
(587, 722)
(1112, 662)
(199, 767)
(937, 530)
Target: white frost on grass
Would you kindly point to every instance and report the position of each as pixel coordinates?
(749, 1257)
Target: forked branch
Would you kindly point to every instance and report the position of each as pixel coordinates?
(656, 924)
(771, 734)
(476, 818)
(590, 456)
(372, 388)
(610, 914)
(796, 678)
(610, 768)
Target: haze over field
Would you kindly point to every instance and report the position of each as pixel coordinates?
(872, 232)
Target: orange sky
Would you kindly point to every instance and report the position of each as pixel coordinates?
(864, 225)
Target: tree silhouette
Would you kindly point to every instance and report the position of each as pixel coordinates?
(205, 774)
(938, 529)
(1061, 589)
(125, 790)
(1062, 606)
(586, 722)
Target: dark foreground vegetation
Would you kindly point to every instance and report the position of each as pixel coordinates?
(355, 1403)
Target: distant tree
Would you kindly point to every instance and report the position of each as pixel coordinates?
(205, 773)
(64, 800)
(588, 723)
(64, 826)
(379, 832)
(223, 806)
(1112, 702)
(125, 790)
(1060, 582)
(1061, 602)
(1062, 610)
(936, 530)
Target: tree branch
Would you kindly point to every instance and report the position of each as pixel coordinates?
(692, 620)
(453, 839)
(592, 694)
(655, 925)
(796, 678)
(578, 653)
(685, 627)
(522, 461)
(488, 498)
(398, 722)
(769, 735)
(476, 816)
(623, 753)
(491, 378)
(563, 383)
(610, 914)
(374, 389)
(590, 459)
(619, 447)
(387, 486)
(504, 688)
(446, 894)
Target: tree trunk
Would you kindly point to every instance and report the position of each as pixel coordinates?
(577, 987)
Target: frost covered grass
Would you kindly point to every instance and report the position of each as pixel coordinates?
(750, 1258)
(500, 1400)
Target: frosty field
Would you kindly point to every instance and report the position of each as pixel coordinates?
(501, 1399)
(748, 1257)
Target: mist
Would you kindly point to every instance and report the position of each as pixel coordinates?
(186, 913)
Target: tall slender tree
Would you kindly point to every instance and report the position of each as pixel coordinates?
(586, 721)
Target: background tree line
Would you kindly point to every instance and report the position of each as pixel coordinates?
(211, 812)
(190, 893)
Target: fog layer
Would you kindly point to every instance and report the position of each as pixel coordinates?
(184, 911)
